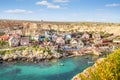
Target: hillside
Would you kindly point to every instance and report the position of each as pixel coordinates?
(33, 27)
(104, 69)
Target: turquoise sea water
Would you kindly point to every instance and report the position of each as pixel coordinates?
(45, 70)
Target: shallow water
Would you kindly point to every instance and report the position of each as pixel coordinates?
(45, 70)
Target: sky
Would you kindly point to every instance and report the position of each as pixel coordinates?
(61, 10)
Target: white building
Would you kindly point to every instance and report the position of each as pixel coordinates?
(80, 44)
(85, 36)
(116, 41)
(97, 38)
(13, 42)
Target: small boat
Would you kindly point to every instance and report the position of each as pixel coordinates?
(61, 64)
(90, 62)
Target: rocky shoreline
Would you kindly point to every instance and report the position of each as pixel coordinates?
(28, 59)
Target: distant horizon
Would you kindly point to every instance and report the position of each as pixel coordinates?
(59, 21)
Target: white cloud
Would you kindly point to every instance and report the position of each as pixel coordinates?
(112, 5)
(18, 11)
(48, 5)
(61, 1)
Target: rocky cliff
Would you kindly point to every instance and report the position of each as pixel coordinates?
(104, 69)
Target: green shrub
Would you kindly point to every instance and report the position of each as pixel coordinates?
(105, 35)
(108, 69)
(4, 44)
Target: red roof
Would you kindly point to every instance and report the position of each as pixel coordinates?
(15, 35)
(4, 37)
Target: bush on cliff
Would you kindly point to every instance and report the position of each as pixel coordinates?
(107, 69)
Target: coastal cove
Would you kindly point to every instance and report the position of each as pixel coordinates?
(51, 70)
(60, 40)
(53, 50)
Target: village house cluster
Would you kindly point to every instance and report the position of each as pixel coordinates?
(77, 43)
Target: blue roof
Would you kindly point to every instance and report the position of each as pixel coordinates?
(71, 49)
(68, 36)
